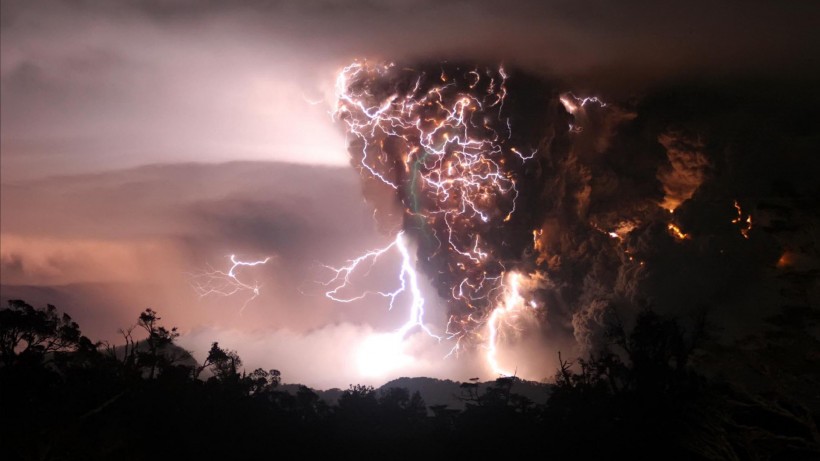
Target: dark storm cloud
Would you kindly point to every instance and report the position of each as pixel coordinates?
(713, 33)
(749, 144)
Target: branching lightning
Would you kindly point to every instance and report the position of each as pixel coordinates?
(504, 317)
(442, 142)
(573, 104)
(408, 282)
(227, 283)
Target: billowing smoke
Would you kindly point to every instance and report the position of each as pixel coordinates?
(686, 171)
(465, 153)
(604, 208)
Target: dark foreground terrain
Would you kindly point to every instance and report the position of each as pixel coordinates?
(654, 395)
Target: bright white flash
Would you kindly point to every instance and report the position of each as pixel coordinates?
(504, 317)
(382, 352)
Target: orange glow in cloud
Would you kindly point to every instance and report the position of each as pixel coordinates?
(686, 171)
(676, 232)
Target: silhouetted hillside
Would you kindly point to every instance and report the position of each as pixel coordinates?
(451, 393)
(436, 391)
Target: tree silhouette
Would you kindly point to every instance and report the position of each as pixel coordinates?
(399, 408)
(358, 402)
(158, 339)
(29, 333)
(260, 381)
(62, 398)
(224, 364)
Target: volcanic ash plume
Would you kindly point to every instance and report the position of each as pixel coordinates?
(464, 157)
(565, 212)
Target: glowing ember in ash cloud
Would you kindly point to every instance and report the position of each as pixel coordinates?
(687, 169)
(676, 232)
(745, 224)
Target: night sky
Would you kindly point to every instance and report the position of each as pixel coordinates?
(144, 142)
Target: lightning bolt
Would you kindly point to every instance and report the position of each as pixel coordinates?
(573, 103)
(454, 154)
(443, 143)
(504, 317)
(408, 283)
(226, 283)
(381, 352)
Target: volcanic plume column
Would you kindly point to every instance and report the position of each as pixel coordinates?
(439, 141)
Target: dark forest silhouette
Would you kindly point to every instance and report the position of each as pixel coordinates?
(64, 396)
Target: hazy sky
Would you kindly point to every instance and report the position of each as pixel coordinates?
(91, 85)
(142, 142)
